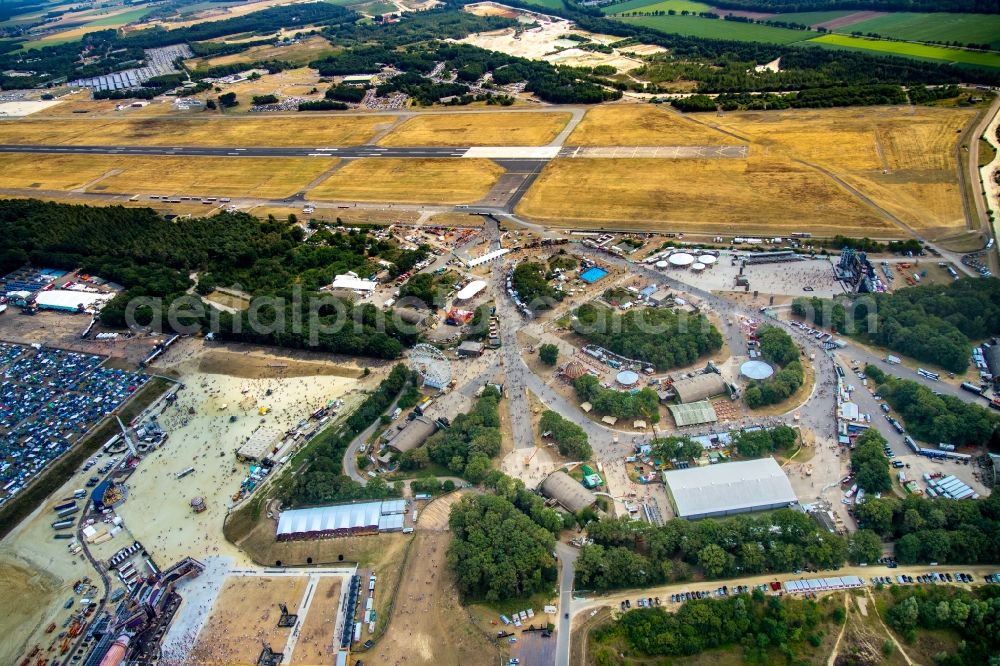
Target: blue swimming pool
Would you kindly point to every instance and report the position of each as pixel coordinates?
(593, 274)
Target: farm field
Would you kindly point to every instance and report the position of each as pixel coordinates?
(212, 131)
(244, 614)
(478, 129)
(903, 158)
(937, 27)
(195, 176)
(545, 4)
(761, 194)
(657, 5)
(642, 125)
(310, 48)
(407, 180)
(811, 18)
(696, 26)
(923, 51)
(216, 12)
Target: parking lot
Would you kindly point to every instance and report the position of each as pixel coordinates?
(50, 398)
(533, 649)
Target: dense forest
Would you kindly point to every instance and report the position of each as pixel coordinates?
(870, 464)
(972, 614)
(933, 323)
(777, 541)
(659, 337)
(754, 622)
(936, 530)
(570, 438)
(322, 482)
(503, 545)
(937, 418)
(153, 258)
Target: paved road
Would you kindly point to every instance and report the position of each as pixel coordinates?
(567, 563)
(342, 152)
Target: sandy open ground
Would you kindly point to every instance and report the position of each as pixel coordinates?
(316, 644)
(206, 440)
(244, 614)
(901, 157)
(409, 180)
(25, 108)
(728, 196)
(203, 131)
(643, 125)
(309, 49)
(478, 129)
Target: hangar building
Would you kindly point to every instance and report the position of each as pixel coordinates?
(413, 434)
(728, 488)
(700, 387)
(567, 491)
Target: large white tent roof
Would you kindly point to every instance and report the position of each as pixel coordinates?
(470, 290)
(729, 487)
(681, 259)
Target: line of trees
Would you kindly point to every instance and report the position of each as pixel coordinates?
(658, 336)
(936, 530)
(777, 541)
(939, 418)
(571, 439)
(812, 98)
(870, 464)
(933, 323)
(644, 404)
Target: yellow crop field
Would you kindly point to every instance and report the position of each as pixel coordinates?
(903, 158)
(643, 125)
(405, 180)
(204, 131)
(726, 196)
(478, 129)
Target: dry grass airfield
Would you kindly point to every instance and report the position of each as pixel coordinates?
(310, 48)
(195, 176)
(410, 180)
(728, 196)
(204, 131)
(478, 129)
(901, 157)
(643, 125)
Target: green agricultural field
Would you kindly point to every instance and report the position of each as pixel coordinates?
(657, 5)
(121, 19)
(937, 27)
(695, 26)
(809, 18)
(546, 4)
(922, 51)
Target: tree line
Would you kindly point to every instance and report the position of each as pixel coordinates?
(933, 323)
(626, 553)
(790, 6)
(936, 530)
(940, 418)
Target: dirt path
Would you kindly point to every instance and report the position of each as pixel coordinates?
(840, 637)
(868, 596)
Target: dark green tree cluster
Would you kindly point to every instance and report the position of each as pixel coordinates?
(498, 552)
(321, 481)
(940, 418)
(870, 464)
(757, 443)
(531, 283)
(676, 448)
(788, 6)
(660, 337)
(473, 439)
(644, 404)
(260, 100)
(933, 323)
(548, 353)
(972, 614)
(755, 623)
(353, 94)
(425, 288)
(431, 485)
(780, 386)
(776, 345)
(569, 437)
(778, 541)
(862, 95)
(936, 530)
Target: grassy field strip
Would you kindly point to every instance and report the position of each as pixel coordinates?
(923, 51)
(194, 176)
(936, 27)
(225, 132)
(658, 6)
(696, 26)
(305, 51)
(643, 125)
(478, 129)
(403, 180)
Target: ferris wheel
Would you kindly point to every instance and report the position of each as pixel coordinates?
(431, 364)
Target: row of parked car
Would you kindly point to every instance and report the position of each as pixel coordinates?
(933, 577)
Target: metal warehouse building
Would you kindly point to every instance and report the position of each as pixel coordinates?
(728, 488)
(700, 387)
(569, 492)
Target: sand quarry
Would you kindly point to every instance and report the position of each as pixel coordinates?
(37, 573)
(547, 40)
